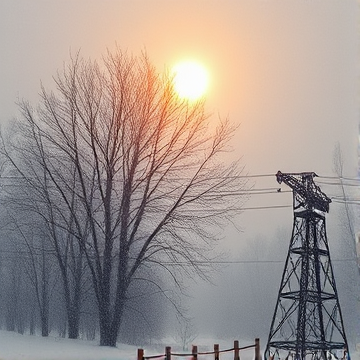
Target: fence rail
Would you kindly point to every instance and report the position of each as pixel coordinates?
(195, 353)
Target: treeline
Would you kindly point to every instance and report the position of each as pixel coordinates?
(33, 299)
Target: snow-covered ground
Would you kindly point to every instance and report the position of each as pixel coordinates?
(14, 346)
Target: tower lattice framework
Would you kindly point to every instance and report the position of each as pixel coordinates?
(307, 322)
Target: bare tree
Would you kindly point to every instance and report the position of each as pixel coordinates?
(186, 332)
(348, 221)
(13, 314)
(33, 192)
(141, 174)
(34, 265)
(348, 271)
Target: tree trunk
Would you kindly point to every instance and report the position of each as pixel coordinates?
(73, 308)
(103, 302)
(10, 318)
(106, 338)
(72, 305)
(117, 322)
(121, 290)
(73, 322)
(44, 325)
(32, 324)
(109, 327)
(45, 297)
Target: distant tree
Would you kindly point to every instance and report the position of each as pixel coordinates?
(347, 213)
(347, 272)
(137, 175)
(186, 332)
(33, 197)
(13, 311)
(146, 313)
(35, 268)
(39, 273)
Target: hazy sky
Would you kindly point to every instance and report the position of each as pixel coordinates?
(286, 70)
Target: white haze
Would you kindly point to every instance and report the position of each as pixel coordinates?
(285, 71)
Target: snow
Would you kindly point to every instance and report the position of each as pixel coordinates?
(14, 346)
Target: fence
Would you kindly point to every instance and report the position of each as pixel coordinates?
(195, 354)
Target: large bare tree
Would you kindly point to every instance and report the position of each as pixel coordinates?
(137, 175)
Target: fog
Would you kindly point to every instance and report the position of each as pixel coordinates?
(286, 72)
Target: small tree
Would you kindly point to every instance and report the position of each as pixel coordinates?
(141, 174)
(35, 267)
(186, 332)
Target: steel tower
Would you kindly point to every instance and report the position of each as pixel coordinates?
(307, 323)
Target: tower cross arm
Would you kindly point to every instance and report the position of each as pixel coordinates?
(303, 185)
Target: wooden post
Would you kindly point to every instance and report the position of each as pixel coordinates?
(168, 353)
(140, 355)
(194, 352)
(216, 351)
(257, 349)
(236, 350)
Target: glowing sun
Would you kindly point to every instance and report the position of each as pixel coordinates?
(190, 79)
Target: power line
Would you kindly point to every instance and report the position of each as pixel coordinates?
(17, 254)
(263, 191)
(346, 178)
(337, 184)
(266, 207)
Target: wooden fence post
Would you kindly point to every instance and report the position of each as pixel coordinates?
(216, 351)
(140, 355)
(194, 352)
(236, 350)
(257, 349)
(168, 353)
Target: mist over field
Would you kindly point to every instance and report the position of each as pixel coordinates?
(285, 75)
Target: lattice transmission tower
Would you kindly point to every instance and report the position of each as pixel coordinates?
(307, 322)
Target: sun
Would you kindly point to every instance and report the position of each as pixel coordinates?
(190, 80)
